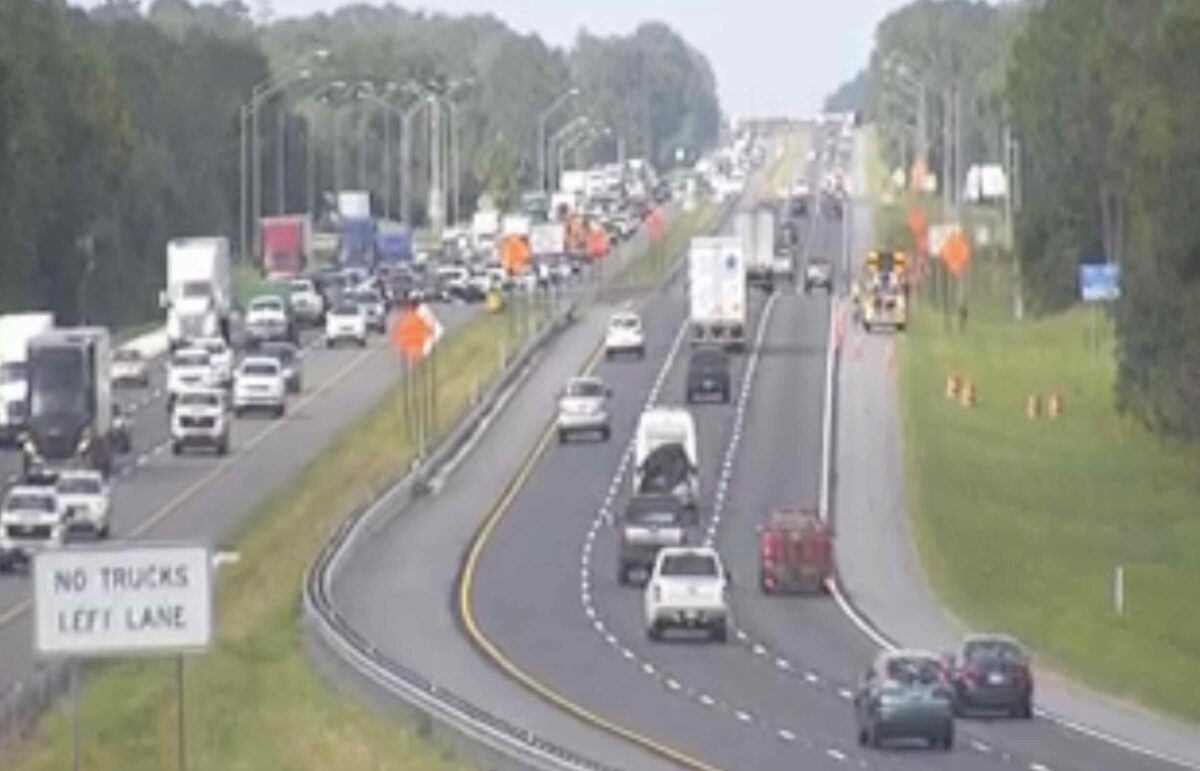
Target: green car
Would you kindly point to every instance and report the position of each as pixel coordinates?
(905, 696)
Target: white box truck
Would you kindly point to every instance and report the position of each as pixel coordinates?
(717, 292)
(16, 330)
(199, 293)
(760, 247)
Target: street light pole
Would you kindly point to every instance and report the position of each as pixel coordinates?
(565, 132)
(406, 159)
(280, 159)
(542, 119)
(437, 193)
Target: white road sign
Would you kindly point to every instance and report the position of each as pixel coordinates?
(128, 600)
(436, 330)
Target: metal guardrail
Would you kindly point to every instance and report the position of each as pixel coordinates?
(500, 740)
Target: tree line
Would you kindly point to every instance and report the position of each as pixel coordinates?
(1099, 96)
(121, 126)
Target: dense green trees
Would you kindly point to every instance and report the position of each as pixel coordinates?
(1100, 95)
(120, 127)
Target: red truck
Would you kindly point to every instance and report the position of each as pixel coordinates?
(795, 552)
(285, 245)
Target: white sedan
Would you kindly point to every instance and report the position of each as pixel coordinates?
(30, 521)
(259, 384)
(129, 367)
(346, 322)
(687, 590)
(189, 368)
(625, 335)
(83, 498)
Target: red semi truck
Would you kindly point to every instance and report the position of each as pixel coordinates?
(286, 241)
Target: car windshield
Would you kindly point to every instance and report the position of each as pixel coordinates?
(261, 368)
(30, 502)
(698, 565)
(267, 304)
(585, 388)
(13, 372)
(199, 399)
(993, 650)
(914, 670)
(301, 287)
(193, 359)
(79, 486)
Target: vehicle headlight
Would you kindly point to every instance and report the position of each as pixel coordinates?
(85, 441)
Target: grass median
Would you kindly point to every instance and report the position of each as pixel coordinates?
(1021, 523)
(254, 702)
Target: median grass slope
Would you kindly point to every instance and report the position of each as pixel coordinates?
(1020, 523)
(254, 702)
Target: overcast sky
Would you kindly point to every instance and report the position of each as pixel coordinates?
(770, 56)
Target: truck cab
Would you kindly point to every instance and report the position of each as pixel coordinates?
(69, 404)
(198, 297)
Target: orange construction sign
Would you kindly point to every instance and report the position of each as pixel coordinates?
(597, 242)
(956, 253)
(654, 224)
(410, 334)
(514, 254)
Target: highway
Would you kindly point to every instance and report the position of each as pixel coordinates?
(157, 495)
(543, 592)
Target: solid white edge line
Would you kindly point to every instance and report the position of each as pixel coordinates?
(873, 634)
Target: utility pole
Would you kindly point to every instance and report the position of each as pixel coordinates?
(311, 164)
(437, 195)
(363, 120)
(387, 162)
(280, 159)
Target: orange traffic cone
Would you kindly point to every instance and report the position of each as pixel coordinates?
(1033, 406)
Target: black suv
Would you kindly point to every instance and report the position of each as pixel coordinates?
(708, 374)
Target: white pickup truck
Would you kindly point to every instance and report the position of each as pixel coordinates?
(687, 590)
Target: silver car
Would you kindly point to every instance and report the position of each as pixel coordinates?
(583, 409)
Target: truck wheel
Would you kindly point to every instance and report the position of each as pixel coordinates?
(605, 432)
(280, 410)
(720, 632)
(223, 446)
(104, 531)
(329, 343)
(563, 436)
(901, 327)
(654, 631)
(176, 448)
(762, 582)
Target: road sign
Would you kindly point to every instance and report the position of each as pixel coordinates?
(104, 601)
(956, 252)
(1099, 282)
(410, 335)
(433, 324)
(514, 254)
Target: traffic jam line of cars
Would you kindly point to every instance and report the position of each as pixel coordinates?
(905, 696)
(206, 387)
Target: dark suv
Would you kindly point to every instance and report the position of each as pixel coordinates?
(708, 374)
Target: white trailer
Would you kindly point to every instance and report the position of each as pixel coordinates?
(717, 291)
(199, 293)
(16, 330)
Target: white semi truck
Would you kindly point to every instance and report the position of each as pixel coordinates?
(717, 292)
(16, 330)
(199, 293)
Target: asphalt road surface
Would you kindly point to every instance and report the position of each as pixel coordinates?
(160, 496)
(778, 694)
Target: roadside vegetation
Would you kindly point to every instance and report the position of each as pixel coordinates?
(124, 129)
(1022, 522)
(254, 702)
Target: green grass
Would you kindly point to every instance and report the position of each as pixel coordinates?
(647, 269)
(1020, 523)
(254, 702)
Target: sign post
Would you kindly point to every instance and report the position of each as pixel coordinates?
(1099, 283)
(103, 602)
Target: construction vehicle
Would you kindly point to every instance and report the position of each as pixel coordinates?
(881, 297)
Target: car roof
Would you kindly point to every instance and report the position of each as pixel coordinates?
(680, 551)
(584, 380)
(192, 351)
(907, 653)
(624, 315)
(260, 360)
